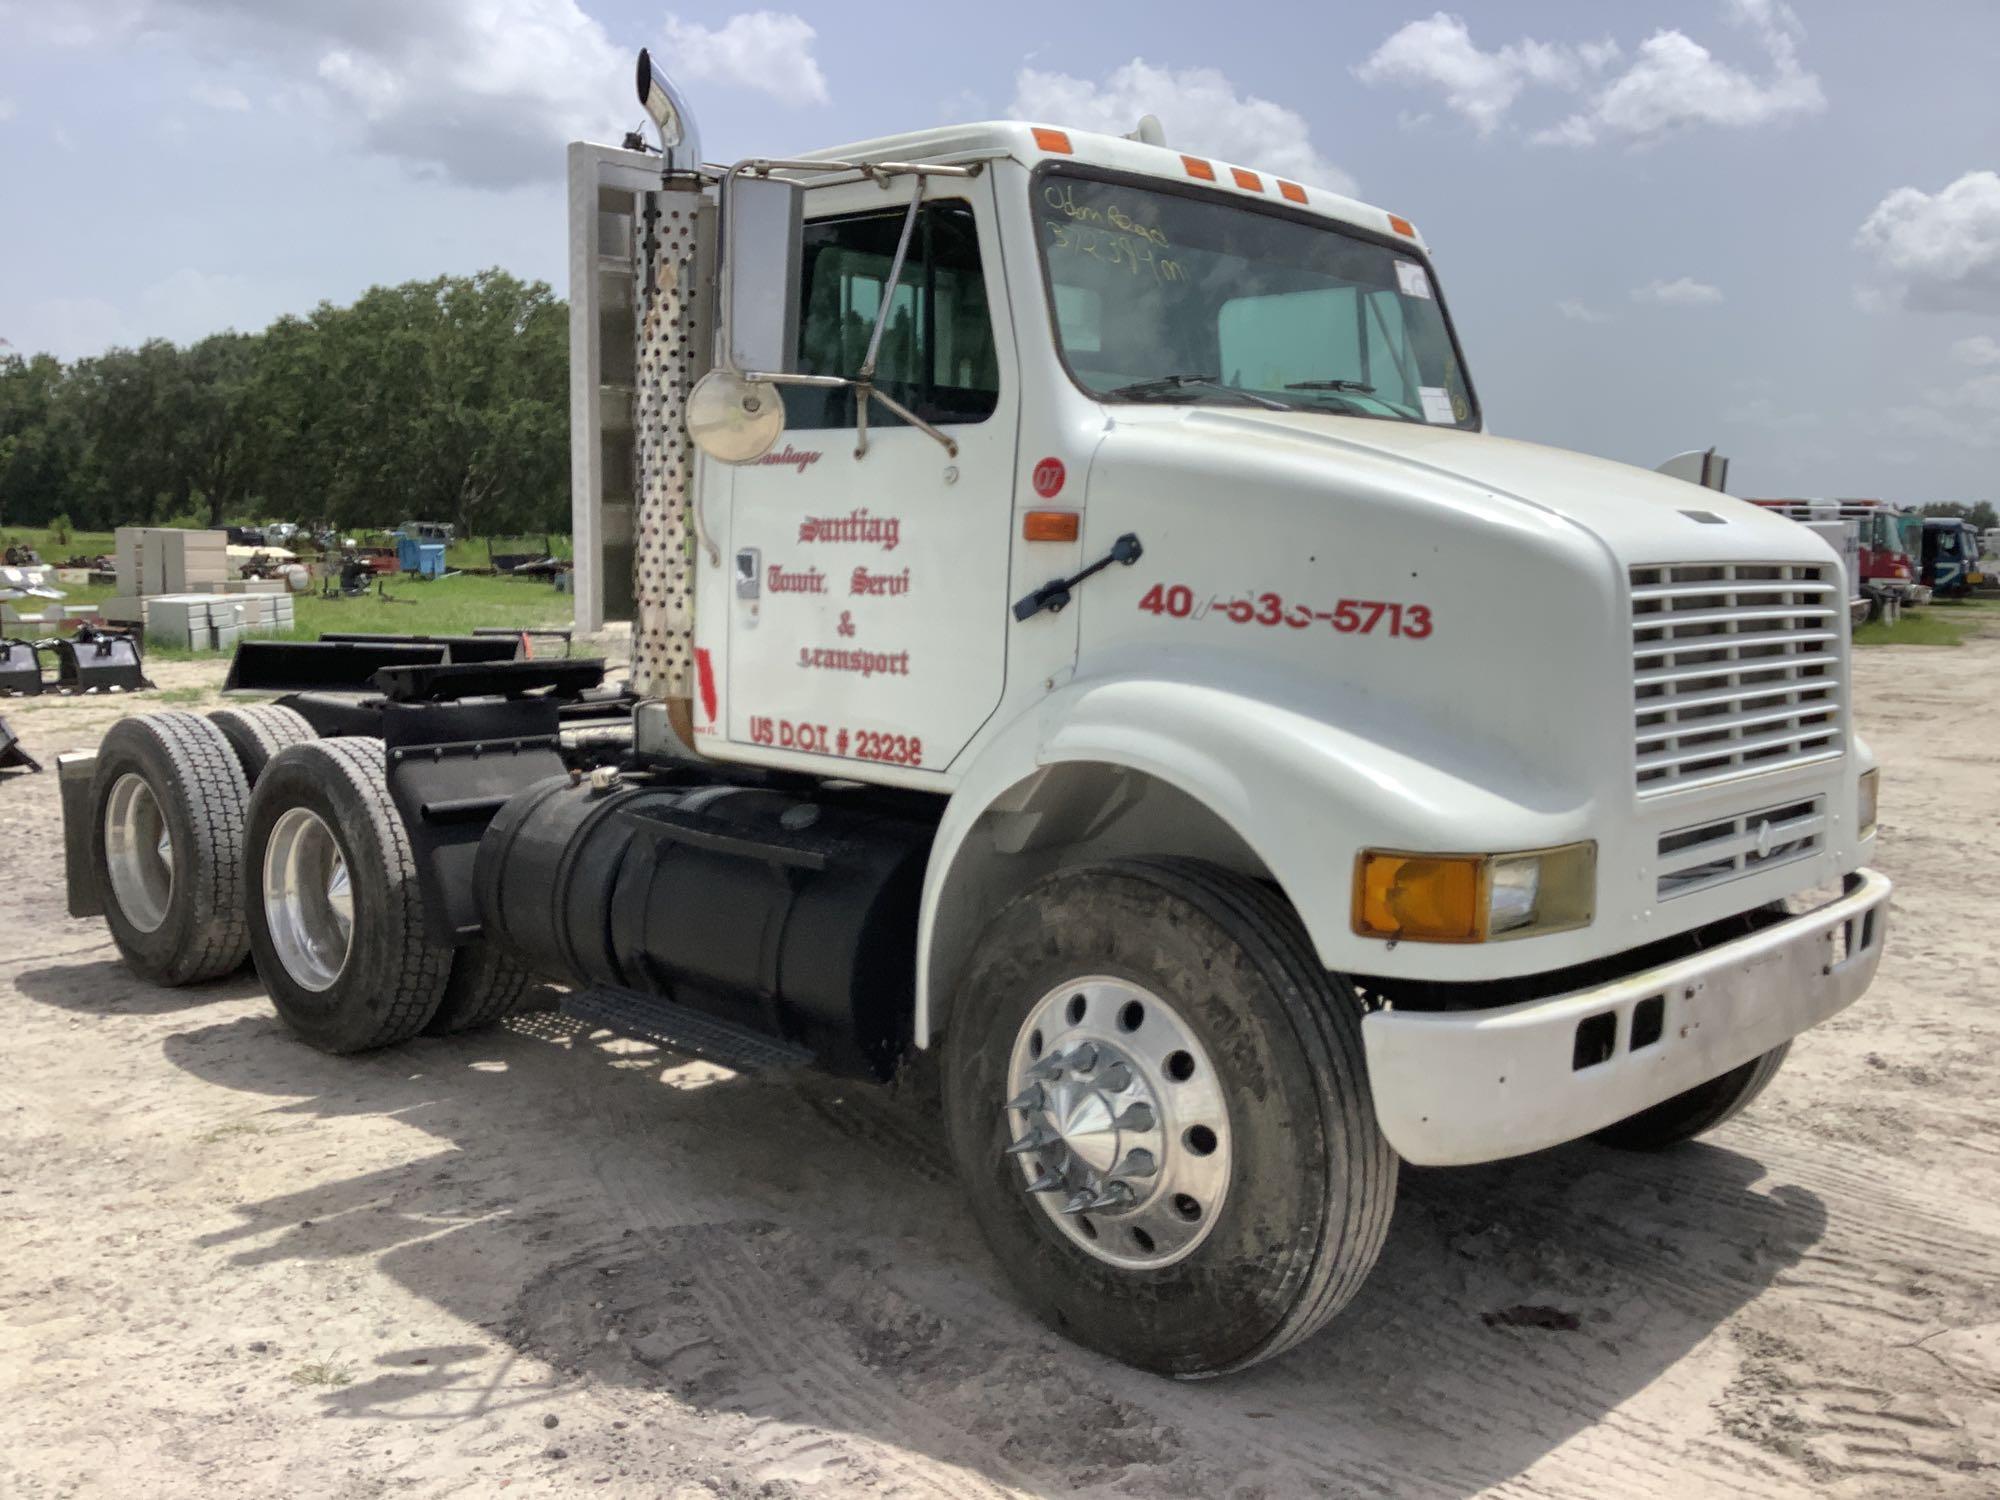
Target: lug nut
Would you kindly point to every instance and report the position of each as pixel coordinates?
(1038, 1139)
(1138, 1119)
(1030, 1098)
(1117, 1078)
(1082, 1057)
(1137, 1163)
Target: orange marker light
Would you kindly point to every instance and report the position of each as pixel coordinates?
(1432, 899)
(1292, 191)
(1050, 526)
(1402, 226)
(1196, 167)
(1053, 140)
(1249, 180)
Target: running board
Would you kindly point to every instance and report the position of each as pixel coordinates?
(652, 1019)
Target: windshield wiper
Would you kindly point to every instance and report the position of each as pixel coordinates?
(1163, 385)
(1331, 385)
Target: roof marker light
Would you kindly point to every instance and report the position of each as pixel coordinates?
(1196, 167)
(1292, 190)
(1402, 226)
(1053, 140)
(1247, 180)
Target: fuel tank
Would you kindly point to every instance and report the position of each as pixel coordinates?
(794, 914)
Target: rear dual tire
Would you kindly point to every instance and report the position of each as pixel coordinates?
(166, 846)
(337, 913)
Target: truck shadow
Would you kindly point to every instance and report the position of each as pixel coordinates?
(792, 1247)
(107, 988)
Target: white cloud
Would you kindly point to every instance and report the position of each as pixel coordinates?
(1480, 86)
(1980, 349)
(1673, 81)
(219, 96)
(8, 109)
(1941, 249)
(485, 92)
(1199, 107)
(770, 51)
(1967, 414)
(1682, 291)
(1578, 312)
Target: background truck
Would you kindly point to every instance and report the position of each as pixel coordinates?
(1950, 556)
(1088, 657)
(1889, 562)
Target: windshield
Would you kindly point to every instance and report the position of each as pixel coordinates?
(1166, 296)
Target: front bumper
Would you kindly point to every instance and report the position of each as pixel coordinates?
(1453, 1087)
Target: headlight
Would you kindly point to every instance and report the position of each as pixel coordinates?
(1473, 898)
(1865, 802)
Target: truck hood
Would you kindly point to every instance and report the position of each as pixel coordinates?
(1640, 515)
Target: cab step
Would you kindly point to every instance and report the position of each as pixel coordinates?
(653, 1019)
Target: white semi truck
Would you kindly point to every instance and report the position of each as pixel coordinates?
(1085, 644)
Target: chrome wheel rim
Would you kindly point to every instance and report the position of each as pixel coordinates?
(1118, 1122)
(138, 852)
(308, 900)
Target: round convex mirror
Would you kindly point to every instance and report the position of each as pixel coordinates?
(733, 420)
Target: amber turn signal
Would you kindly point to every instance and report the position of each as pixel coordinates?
(1473, 898)
(1050, 526)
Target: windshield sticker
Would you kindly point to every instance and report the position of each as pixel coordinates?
(1437, 404)
(1413, 279)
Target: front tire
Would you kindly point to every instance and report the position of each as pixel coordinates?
(1286, 1207)
(336, 911)
(1700, 1109)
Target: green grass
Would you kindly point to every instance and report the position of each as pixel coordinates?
(1918, 627)
(443, 606)
(180, 695)
(470, 552)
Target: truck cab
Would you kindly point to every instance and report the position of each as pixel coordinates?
(1088, 653)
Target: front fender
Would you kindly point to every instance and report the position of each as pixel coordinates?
(1304, 772)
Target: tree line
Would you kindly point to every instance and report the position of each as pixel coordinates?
(441, 400)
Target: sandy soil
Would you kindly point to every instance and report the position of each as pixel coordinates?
(546, 1262)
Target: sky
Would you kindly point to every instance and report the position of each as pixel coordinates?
(1772, 228)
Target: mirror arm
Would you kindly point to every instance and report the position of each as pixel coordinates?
(950, 443)
(889, 287)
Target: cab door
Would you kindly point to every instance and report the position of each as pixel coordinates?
(868, 606)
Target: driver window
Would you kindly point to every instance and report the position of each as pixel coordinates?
(937, 355)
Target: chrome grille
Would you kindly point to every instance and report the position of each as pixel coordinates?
(1736, 669)
(1693, 859)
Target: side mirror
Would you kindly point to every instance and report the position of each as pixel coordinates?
(763, 238)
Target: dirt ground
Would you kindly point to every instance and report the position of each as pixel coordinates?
(542, 1261)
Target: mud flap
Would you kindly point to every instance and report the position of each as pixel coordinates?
(75, 774)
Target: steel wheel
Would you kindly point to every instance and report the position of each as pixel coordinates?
(138, 852)
(307, 900)
(1118, 1122)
